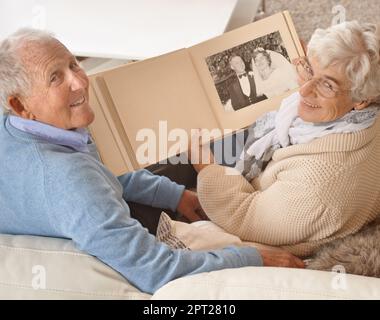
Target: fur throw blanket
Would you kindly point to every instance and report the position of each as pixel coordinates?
(357, 254)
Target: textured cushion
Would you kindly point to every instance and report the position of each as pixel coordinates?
(200, 235)
(29, 263)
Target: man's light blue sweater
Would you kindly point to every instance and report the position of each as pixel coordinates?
(51, 189)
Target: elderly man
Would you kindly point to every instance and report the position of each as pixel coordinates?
(242, 88)
(52, 182)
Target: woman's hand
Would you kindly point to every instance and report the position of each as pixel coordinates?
(304, 46)
(190, 207)
(280, 258)
(199, 156)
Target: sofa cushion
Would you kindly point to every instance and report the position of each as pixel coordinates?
(48, 268)
(270, 283)
(30, 262)
(253, 282)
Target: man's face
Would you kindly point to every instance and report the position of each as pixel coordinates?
(237, 64)
(59, 94)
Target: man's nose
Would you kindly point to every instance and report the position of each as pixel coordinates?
(79, 81)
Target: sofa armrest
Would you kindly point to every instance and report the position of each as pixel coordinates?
(49, 268)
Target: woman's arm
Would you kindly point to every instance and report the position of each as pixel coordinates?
(287, 212)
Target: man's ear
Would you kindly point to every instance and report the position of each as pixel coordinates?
(18, 107)
(361, 105)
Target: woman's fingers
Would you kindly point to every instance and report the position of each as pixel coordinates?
(304, 46)
(198, 154)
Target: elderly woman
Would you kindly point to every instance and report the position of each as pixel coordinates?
(52, 182)
(310, 171)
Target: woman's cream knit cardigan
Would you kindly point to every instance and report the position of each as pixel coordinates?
(308, 194)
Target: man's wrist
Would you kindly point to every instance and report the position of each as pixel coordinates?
(168, 194)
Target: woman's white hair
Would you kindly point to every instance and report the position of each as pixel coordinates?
(355, 47)
(14, 79)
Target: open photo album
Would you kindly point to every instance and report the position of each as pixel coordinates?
(222, 85)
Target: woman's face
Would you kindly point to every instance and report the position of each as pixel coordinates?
(261, 63)
(326, 96)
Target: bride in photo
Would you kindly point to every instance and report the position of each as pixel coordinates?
(274, 74)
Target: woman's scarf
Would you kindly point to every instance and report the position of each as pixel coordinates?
(279, 129)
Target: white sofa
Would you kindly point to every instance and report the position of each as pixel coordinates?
(45, 268)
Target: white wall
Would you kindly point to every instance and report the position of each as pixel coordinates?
(121, 28)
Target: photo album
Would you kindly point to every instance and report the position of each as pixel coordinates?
(222, 85)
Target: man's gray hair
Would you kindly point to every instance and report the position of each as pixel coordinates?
(355, 47)
(14, 79)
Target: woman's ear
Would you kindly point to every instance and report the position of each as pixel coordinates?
(19, 108)
(363, 104)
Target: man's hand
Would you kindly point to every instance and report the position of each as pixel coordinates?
(280, 258)
(199, 156)
(190, 207)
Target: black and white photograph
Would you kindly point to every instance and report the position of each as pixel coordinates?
(252, 72)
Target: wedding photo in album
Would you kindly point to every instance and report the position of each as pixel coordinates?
(248, 73)
(222, 85)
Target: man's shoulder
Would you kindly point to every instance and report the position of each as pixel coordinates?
(63, 161)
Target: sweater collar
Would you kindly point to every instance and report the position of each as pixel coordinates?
(339, 142)
(76, 139)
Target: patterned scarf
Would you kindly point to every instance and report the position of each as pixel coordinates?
(279, 129)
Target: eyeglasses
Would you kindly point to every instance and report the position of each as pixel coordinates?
(324, 86)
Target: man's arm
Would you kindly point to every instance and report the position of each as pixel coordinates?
(146, 188)
(85, 208)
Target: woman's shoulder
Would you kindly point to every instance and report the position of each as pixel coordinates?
(303, 166)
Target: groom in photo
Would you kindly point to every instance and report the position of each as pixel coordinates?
(242, 88)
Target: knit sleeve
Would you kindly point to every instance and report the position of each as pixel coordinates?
(285, 213)
(157, 191)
